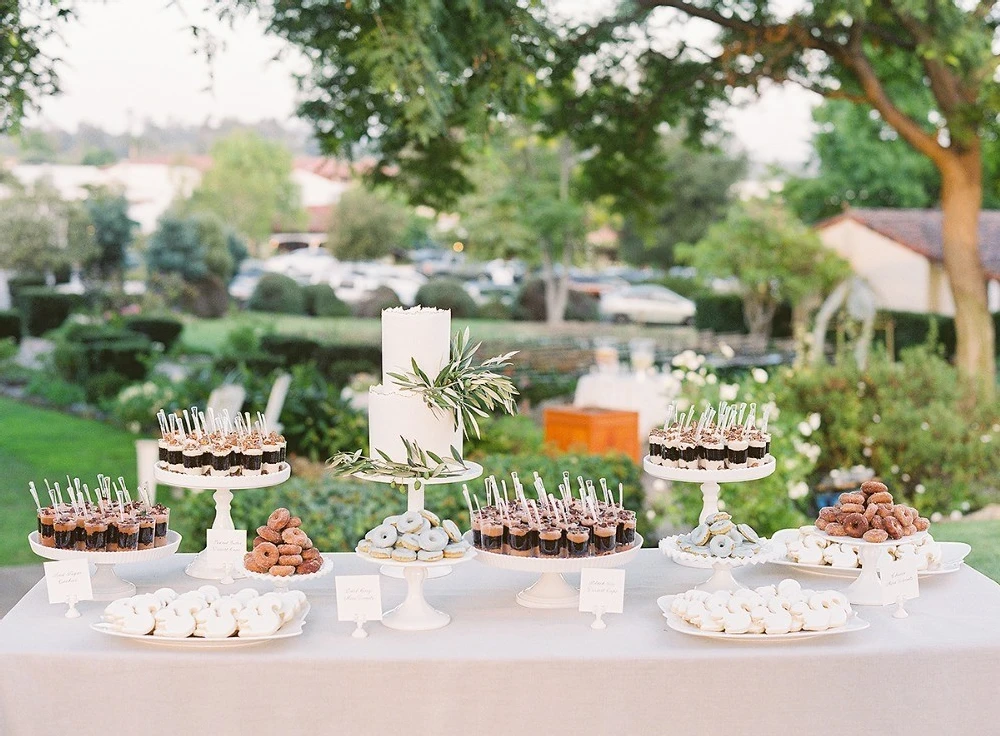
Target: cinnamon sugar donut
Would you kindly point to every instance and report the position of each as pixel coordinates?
(294, 535)
(293, 560)
(880, 497)
(893, 527)
(821, 524)
(922, 524)
(873, 486)
(884, 510)
(309, 566)
(269, 534)
(278, 519)
(310, 554)
(294, 521)
(852, 508)
(909, 531)
(853, 497)
(835, 529)
(257, 541)
(877, 522)
(265, 555)
(855, 525)
(289, 549)
(829, 513)
(901, 514)
(877, 536)
(282, 571)
(870, 512)
(251, 563)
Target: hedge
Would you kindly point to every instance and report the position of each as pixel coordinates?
(530, 304)
(43, 309)
(16, 283)
(277, 293)
(445, 293)
(337, 363)
(382, 298)
(164, 330)
(322, 301)
(723, 313)
(291, 349)
(10, 325)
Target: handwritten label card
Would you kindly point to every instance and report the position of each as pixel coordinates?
(359, 597)
(226, 546)
(68, 579)
(899, 579)
(602, 590)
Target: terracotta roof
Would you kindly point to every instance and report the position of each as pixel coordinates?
(317, 221)
(920, 231)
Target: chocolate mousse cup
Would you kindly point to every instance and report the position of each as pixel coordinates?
(175, 456)
(191, 456)
(253, 460)
(111, 536)
(518, 540)
(271, 457)
(477, 530)
(147, 532)
(492, 532)
(626, 529)
(605, 533)
(46, 532)
(97, 534)
(80, 534)
(578, 541)
(221, 460)
(64, 531)
(550, 542)
(128, 535)
(161, 447)
(161, 515)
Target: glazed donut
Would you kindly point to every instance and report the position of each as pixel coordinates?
(893, 527)
(266, 532)
(871, 511)
(294, 535)
(294, 521)
(821, 524)
(902, 515)
(266, 555)
(880, 497)
(313, 554)
(855, 525)
(410, 522)
(876, 536)
(722, 526)
(382, 536)
(257, 541)
(293, 560)
(835, 529)
(852, 508)
(309, 566)
(873, 486)
(854, 497)
(410, 541)
(282, 571)
(829, 513)
(289, 549)
(877, 522)
(721, 546)
(921, 524)
(434, 539)
(433, 518)
(452, 530)
(278, 519)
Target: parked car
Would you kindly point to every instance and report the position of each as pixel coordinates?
(242, 286)
(647, 303)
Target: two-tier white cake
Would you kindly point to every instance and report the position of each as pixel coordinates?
(424, 335)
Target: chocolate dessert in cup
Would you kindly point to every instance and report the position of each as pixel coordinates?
(147, 532)
(253, 457)
(46, 532)
(112, 535)
(97, 532)
(128, 535)
(477, 535)
(519, 540)
(657, 439)
(191, 456)
(711, 449)
(737, 447)
(271, 454)
(550, 541)
(626, 528)
(221, 455)
(492, 533)
(80, 534)
(605, 533)
(578, 541)
(175, 454)
(64, 530)
(161, 515)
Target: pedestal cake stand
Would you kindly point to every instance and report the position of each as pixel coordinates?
(223, 487)
(551, 589)
(722, 577)
(709, 479)
(105, 583)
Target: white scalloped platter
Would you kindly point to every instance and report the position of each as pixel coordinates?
(222, 482)
(668, 545)
(284, 581)
(445, 562)
(726, 475)
(853, 542)
(106, 558)
(676, 623)
(288, 630)
(559, 564)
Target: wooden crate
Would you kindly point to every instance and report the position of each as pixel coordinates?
(595, 431)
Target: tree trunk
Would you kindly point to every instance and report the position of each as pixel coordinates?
(961, 198)
(556, 290)
(802, 310)
(758, 313)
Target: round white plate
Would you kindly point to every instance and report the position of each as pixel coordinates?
(283, 581)
(676, 623)
(688, 475)
(445, 562)
(471, 472)
(288, 630)
(106, 558)
(559, 564)
(222, 482)
(668, 546)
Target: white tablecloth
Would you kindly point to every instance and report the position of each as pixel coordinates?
(501, 669)
(648, 395)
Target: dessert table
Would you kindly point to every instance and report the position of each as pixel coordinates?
(498, 664)
(648, 395)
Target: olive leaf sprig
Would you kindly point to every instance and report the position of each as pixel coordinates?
(420, 463)
(468, 390)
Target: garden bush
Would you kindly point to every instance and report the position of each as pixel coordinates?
(382, 298)
(911, 329)
(43, 309)
(290, 349)
(55, 391)
(322, 301)
(278, 293)
(10, 325)
(723, 313)
(16, 283)
(495, 309)
(530, 304)
(101, 358)
(318, 423)
(164, 330)
(445, 293)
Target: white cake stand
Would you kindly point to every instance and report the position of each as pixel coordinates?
(866, 590)
(709, 479)
(551, 589)
(283, 582)
(722, 578)
(415, 613)
(415, 502)
(223, 487)
(105, 583)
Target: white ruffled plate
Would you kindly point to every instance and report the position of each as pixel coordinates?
(669, 547)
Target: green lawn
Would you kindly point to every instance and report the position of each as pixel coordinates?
(983, 536)
(38, 443)
(209, 334)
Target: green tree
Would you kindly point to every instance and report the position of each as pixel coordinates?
(368, 224)
(114, 231)
(249, 186)
(773, 257)
(40, 233)
(419, 83)
(175, 247)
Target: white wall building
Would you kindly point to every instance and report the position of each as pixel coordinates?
(899, 253)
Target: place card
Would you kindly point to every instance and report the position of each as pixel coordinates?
(226, 547)
(899, 579)
(602, 591)
(68, 581)
(359, 597)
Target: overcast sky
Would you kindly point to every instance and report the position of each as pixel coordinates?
(125, 62)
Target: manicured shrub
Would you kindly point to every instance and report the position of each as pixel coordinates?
(43, 309)
(444, 293)
(276, 292)
(291, 349)
(530, 304)
(720, 313)
(382, 298)
(495, 309)
(10, 325)
(322, 301)
(164, 330)
(101, 358)
(911, 329)
(16, 283)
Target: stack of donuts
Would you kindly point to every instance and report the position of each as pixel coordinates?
(416, 536)
(282, 548)
(718, 536)
(870, 514)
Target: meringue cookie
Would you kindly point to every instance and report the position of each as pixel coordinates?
(788, 587)
(138, 622)
(778, 622)
(816, 620)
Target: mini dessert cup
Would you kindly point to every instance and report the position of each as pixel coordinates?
(161, 447)
(128, 535)
(492, 532)
(737, 451)
(550, 542)
(605, 534)
(46, 532)
(519, 540)
(271, 456)
(626, 528)
(253, 460)
(80, 534)
(64, 530)
(191, 457)
(578, 541)
(97, 533)
(147, 532)
(221, 460)
(111, 538)
(175, 456)
(161, 515)
(477, 534)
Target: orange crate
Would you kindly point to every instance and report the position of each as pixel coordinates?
(596, 431)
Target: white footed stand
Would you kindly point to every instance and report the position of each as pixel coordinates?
(722, 567)
(709, 480)
(223, 486)
(866, 590)
(415, 613)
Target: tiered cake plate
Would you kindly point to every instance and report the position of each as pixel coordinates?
(105, 583)
(551, 589)
(709, 479)
(223, 487)
(415, 613)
